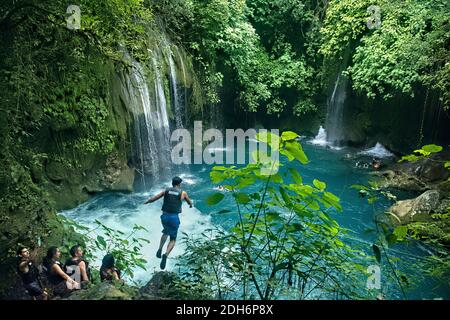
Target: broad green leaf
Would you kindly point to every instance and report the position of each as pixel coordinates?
(432, 148)
(295, 149)
(288, 135)
(245, 182)
(319, 184)
(101, 241)
(313, 205)
(285, 196)
(409, 158)
(331, 200)
(296, 176)
(242, 198)
(217, 177)
(277, 178)
(422, 152)
(401, 232)
(214, 198)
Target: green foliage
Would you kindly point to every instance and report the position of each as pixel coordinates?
(214, 199)
(407, 49)
(126, 248)
(285, 241)
(422, 153)
(229, 38)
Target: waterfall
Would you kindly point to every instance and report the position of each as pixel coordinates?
(335, 115)
(162, 120)
(144, 91)
(175, 96)
(321, 138)
(136, 95)
(183, 68)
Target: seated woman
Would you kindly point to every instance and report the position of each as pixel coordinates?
(60, 282)
(30, 274)
(108, 271)
(77, 264)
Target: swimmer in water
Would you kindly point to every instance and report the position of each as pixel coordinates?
(376, 164)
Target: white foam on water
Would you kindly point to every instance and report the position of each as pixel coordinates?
(189, 179)
(321, 140)
(378, 151)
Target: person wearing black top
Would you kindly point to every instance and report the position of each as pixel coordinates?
(30, 274)
(171, 208)
(108, 271)
(60, 282)
(77, 264)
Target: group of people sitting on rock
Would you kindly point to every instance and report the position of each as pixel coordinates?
(52, 278)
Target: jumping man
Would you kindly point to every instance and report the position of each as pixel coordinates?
(173, 198)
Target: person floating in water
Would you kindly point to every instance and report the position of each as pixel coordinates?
(30, 274)
(376, 164)
(173, 198)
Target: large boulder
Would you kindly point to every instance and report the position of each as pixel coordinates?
(401, 180)
(106, 291)
(431, 170)
(169, 286)
(417, 209)
(160, 286)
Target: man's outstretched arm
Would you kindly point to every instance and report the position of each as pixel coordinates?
(186, 197)
(153, 199)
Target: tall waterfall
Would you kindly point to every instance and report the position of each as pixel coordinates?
(144, 95)
(175, 96)
(185, 96)
(335, 115)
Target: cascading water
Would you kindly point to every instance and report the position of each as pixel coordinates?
(183, 68)
(175, 96)
(149, 107)
(162, 120)
(321, 138)
(136, 95)
(335, 115)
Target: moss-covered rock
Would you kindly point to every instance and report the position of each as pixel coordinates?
(106, 291)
